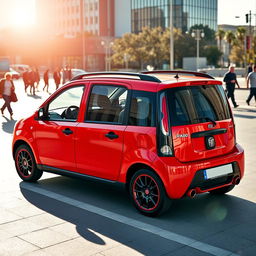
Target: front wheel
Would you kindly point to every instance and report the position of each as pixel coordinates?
(148, 194)
(26, 165)
(223, 190)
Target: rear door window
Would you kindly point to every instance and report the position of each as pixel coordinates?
(142, 110)
(107, 104)
(197, 104)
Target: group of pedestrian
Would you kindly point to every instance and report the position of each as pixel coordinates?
(31, 78)
(231, 81)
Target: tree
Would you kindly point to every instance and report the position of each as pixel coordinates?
(148, 47)
(220, 34)
(238, 53)
(230, 38)
(212, 54)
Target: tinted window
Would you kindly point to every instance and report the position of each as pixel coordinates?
(106, 104)
(66, 105)
(142, 110)
(197, 104)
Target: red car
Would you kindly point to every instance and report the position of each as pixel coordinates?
(164, 135)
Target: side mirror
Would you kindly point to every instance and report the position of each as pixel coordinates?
(41, 114)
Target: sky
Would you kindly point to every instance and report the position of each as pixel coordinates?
(21, 13)
(229, 9)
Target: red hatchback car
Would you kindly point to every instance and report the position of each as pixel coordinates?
(164, 135)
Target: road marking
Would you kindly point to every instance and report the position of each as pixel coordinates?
(131, 222)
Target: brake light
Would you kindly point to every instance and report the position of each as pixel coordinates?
(165, 119)
(165, 139)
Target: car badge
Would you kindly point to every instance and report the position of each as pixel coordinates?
(210, 142)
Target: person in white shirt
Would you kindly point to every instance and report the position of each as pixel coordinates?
(6, 90)
(251, 79)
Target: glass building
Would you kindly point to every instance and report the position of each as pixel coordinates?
(186, 13)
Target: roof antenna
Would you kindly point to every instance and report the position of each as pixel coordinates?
(177, 76)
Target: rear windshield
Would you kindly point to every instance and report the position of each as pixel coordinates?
(197, 104)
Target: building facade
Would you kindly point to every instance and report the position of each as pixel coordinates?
(92, 25)
(186, 13)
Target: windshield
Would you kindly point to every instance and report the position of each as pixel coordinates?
(197, 104)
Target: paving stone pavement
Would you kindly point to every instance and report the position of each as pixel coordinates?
(35, 225)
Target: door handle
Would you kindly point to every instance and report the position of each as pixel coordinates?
(111, 135)
(67, 131)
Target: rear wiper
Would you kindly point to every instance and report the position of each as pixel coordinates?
(206, 118)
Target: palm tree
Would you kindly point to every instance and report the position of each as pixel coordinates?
(241, 35)
(230, 37)
(220, 36)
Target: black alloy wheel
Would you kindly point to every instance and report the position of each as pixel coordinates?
(148, 194)
(26, 165)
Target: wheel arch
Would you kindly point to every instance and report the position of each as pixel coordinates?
(136, 167)
(17, 144)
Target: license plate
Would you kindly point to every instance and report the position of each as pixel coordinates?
(218, 171)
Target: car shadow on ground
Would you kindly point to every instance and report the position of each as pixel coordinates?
(8, 125)
(198, 218)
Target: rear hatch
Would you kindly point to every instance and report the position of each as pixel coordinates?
(201, 122)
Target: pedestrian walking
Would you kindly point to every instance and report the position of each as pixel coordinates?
(251, 79)
(57, 77)
(31, 81)
(37, 79)
(46, 80)
(231, 82)
(25, 80)
(7, 92)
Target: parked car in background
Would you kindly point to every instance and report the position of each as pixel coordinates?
(4, 65)
(20, 68)
(77, 71)
(163, 135)
(15, 74)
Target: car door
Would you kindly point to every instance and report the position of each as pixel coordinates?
(55, 135)
(99, 144)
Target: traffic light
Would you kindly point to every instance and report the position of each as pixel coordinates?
(247, 17)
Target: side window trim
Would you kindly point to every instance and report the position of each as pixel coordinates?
(63, 91)
(117, 85)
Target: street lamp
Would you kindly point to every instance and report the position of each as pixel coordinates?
(171, 36)
(197, 34)
(82, 29)
(107, 44)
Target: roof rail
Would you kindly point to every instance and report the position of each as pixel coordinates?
(143, 77)
(177, 72)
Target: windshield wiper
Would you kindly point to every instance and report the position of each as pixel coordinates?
(206, 118)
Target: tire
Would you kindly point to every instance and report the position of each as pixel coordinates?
(148, 194)
(221, 191)
(26, 165)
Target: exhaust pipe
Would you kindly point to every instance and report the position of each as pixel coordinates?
(236, 180)
(191, 193)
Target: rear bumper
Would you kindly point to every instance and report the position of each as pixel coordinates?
(183, 177)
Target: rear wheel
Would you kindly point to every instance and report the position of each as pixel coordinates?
(148, 194)
(221, 191)
(26, 165)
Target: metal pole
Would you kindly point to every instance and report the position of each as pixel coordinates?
(82, 32)
(171, 36)
(197, 50)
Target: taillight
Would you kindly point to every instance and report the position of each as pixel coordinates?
(165, 119)
(165, 139)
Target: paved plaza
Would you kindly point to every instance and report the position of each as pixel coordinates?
(64, 216)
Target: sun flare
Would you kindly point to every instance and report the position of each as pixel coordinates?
(22, 13)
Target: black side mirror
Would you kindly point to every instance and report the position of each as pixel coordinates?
(41, 114)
